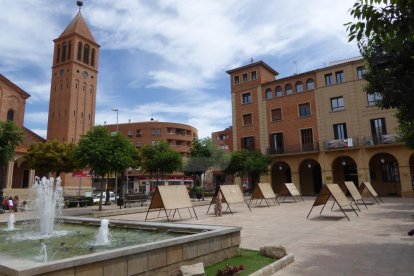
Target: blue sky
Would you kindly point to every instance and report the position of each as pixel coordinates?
(167, 59)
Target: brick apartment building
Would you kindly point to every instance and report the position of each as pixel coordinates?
(223, 139)
(179, 137)
(319, 127)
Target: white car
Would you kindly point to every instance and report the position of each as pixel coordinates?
(97, 197)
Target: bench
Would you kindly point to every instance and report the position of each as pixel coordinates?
(134, 198)
(76, 199)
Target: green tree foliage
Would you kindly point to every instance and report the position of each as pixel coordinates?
(10, 137)
(95, 152)
(248, 163)
(203, 155)
(51, 156)
(124, 155)
(384, 30)
(160, 160)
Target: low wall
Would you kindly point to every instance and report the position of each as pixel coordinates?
(211, 245)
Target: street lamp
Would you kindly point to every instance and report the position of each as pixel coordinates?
(116, 177)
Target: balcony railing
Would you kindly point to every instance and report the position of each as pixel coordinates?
(294, 149)
(382, 140)
(341, 143)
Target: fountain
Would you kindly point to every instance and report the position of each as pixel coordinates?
(41, 246)
(102, 238)
(10, 222)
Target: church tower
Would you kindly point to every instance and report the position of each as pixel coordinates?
(74, 77)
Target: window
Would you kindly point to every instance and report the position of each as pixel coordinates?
(378, 129)
(253, 75)
(304, 110)
(288, 89)
(360, 72)
(310, 85)
(80, 51)
(138, 133)
(299, 87)
(246, 98)
(390, 172)
(155, 132)
(69, 49)
(276, 114)
(130, 133)
(64, 51)
(340, 131)
(339, 76)
(93, 57)
(276, 143)
(10, 115)
(247, 143)
(306, 139)
(373, 98)
(337, 103)
(269, 93)
(224, 147)
(328, 79)
(247, 119)
(236, 80)
(58, 54)
(279, 92)
(244, 77)
(86, 54)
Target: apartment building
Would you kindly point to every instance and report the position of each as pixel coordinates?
(223, 139)
(319, 127)
(179, 136)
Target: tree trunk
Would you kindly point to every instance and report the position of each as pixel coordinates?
(102, 190)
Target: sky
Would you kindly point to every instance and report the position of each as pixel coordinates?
(167, 59)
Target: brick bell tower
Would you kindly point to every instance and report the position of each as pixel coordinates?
(73, 87)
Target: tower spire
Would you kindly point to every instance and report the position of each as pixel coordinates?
(80, 4)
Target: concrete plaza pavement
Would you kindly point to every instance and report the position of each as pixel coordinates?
(374, 243)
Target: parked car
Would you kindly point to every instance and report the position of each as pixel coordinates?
(97, 197)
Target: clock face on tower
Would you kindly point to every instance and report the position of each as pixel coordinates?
(84, 74)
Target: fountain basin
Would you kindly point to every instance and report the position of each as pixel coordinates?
(207, 244)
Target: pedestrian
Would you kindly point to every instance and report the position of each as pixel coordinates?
(16, 203)
(10, 204)
(218, 208)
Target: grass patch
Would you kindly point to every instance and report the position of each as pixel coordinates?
(251, 260)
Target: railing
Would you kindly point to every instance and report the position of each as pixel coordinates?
(294, 149)
(341, 143)
(382, 140)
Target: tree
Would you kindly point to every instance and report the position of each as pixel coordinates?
(384, 31)
(160, 160)
(248, 163)
(199, 159)
(95, 151)
(51, 156)
(10, 137)
(124, 155)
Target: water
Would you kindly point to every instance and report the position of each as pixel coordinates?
(49, 201)
(10, 222)
(75, 240)
(102, 237)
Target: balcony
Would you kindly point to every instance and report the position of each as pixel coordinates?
(384, 139)
(341, 143)
(293, 149)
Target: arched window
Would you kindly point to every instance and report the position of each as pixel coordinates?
(279, 92)
(69, 49)
(288, 89)
(10, 115)
(80, 51)
(310, 85)
(64, 51)
(269, 93)
(86, 49)
(299, 87)
(93, 57)
(58, 54)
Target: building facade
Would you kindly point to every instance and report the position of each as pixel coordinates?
(319, 127)
(12, 107)
(223, 139)
(179, 137)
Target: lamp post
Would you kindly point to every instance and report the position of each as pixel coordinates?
(117, 128)
(127, 179)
